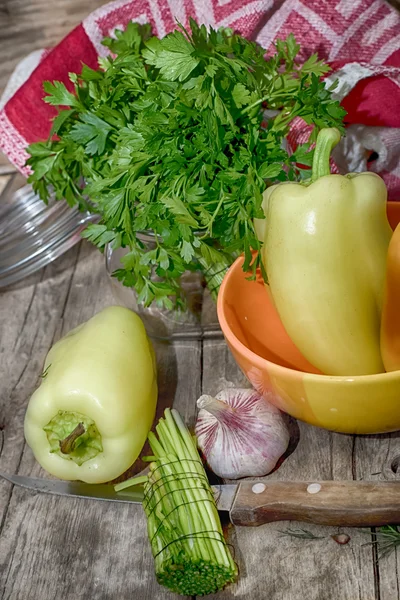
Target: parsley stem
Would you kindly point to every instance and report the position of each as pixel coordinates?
(209, 225)
(256, 103)
(214, 275)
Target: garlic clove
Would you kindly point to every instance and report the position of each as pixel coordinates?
(240, 433)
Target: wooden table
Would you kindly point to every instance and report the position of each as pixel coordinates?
(53, 547)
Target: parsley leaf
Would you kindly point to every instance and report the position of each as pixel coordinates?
(241, 95)
(173, 55)
(91, 132)
(58, 94)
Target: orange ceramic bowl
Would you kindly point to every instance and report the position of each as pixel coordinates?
(274, 366)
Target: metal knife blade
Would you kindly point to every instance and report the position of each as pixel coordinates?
(224, 494)
(335, 503)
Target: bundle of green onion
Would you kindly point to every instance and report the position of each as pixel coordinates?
(189, 549)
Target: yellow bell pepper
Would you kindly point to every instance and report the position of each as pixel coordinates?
(324, 249)
(90, 417)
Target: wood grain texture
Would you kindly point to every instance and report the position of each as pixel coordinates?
(54, 547)
(273, 564)
(378, 457)
(60, 548)
(342, 503)
(29, 317)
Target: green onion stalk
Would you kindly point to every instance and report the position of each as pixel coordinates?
(190, 553)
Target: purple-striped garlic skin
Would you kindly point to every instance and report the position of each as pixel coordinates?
(240, 433)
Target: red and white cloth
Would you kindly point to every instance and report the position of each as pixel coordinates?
(359, 38)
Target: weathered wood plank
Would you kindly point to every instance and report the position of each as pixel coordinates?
(33, 319)
(55, 547)
(66, 547)
(378, 458)
(277, 566)
(29, 316)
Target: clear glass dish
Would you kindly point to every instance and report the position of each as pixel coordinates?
(198, 321)
(33, 234)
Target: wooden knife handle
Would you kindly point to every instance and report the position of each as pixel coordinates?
(341, 503)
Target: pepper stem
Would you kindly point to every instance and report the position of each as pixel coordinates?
(73, 436)
(68, 443)
(327, 139)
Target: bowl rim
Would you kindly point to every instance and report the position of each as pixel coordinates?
(263, 363)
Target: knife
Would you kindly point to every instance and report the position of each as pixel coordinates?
(336, 503)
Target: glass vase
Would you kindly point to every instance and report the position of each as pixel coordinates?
(197, 321)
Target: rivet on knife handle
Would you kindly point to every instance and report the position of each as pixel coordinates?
(344, 503)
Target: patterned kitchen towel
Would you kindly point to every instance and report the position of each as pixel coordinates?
(359, 38)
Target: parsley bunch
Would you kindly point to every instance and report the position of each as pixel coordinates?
(167, 137)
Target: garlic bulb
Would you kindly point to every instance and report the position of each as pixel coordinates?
(240, 433)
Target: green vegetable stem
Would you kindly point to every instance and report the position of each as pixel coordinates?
(167, 136)
(189, 549)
